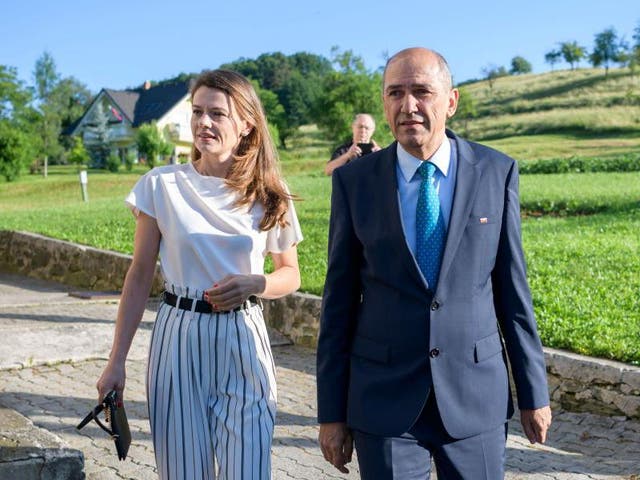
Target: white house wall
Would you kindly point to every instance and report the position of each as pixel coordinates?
(177, 121)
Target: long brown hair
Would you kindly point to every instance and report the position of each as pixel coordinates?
(254, 173)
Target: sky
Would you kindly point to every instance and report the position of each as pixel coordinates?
(119, 44)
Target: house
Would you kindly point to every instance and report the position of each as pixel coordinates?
(169, 105)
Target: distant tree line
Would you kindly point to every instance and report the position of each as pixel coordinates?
(33, 117)
(302, 88)
(608, 48)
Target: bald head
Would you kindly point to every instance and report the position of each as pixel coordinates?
(418, 99)
(422, 58)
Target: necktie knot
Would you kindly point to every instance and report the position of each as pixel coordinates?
(427, 169)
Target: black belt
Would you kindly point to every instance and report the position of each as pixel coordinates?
(202, 306)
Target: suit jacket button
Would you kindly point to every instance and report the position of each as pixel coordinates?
(434, 306)
(434, 352)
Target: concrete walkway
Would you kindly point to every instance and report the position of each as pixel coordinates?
(54, 347)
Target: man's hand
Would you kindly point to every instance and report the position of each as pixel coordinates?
(336, 444)
(536, 423)
(354, 151)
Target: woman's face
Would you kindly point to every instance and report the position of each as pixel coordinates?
(215, 124)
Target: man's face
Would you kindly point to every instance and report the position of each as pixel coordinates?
(362, 128)
(417, 102)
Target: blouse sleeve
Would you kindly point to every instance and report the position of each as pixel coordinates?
(279, 238)
(140, 199)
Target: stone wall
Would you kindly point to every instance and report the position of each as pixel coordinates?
(576, 382)
(65, 262)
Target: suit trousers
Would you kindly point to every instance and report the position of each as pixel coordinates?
(211, 394)
(409, 456)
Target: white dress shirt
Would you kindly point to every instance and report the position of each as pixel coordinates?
(409, 185)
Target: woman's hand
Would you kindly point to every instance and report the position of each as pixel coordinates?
(233, 290)
(112, 378)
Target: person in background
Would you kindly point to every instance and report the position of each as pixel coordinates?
(426, 304)
(211, 387)
(360, 144)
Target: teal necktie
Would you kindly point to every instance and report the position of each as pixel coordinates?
(430, 230)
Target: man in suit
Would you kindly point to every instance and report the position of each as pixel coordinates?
(426, 297)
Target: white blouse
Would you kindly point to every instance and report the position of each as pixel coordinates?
(204, 236)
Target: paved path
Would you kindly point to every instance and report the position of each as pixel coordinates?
(53, 349)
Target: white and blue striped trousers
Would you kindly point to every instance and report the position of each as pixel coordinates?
(211, 393)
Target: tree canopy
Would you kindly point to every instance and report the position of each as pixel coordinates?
(607, 48)
(572, 53)
(520, 65)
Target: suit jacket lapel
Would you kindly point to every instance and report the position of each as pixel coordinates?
(467, 181)
(391, 211)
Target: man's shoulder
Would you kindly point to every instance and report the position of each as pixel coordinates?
(480, 151)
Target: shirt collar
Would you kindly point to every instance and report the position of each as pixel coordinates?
(410, 164)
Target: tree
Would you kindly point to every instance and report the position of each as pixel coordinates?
(69, 99)
(99, 147)
(46, 79)
(607, 49)
(552, 57)
(14, 97)
(491, 72)
(346, 91)
(466, 109)
(276, 116)
(520, 65)
(295, 79)
(78, 154)
(15, 151)
(17, 138)
(572, 53)
(59, 103)
(152, 144)
(634, 54)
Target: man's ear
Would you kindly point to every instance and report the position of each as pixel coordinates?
(454, 96)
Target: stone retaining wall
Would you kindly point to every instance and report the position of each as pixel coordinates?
(31, 453)
(65, 262)
(576, 382)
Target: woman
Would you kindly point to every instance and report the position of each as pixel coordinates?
(211, 378)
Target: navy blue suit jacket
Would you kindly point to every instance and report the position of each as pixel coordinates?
(386, 340)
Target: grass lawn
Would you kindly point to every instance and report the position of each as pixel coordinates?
(554, 145)
(584, 273)
(584, 269)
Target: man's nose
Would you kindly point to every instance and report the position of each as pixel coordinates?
(409, 104)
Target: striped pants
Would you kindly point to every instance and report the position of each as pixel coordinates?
(212, 395)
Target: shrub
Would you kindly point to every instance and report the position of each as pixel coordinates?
(129, 160)
(113, 163)
(78, 155)
(623, 163)
(14, 151)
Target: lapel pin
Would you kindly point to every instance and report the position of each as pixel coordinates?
(483, 220)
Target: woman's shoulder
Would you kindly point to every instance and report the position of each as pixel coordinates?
(166, 173)
(172, 169)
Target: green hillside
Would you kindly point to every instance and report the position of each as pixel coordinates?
(557, 114)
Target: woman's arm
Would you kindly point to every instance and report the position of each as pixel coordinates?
(285, 277)
(137, 285)
(232, 290)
